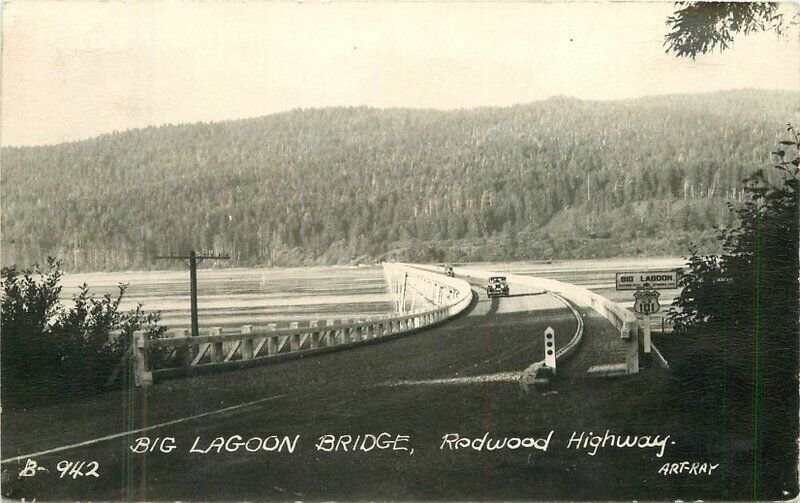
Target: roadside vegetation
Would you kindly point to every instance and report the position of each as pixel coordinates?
(56, 352)
(735, 345)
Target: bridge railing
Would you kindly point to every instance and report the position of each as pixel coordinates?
(423, 298)
(620, 317)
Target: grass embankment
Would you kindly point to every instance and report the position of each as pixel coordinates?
(425, 413)
(341, 393)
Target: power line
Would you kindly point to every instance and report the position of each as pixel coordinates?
(193, 259)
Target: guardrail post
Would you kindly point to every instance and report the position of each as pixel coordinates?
(272, 343)
(294, 339)
(631, 347)
(142, 376)
(330, 335)
(247, 344)
(346, 331)
(183, 354)
(646, 333)
(216, 347)
(314, 334)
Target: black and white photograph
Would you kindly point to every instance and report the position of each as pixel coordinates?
(334, 250)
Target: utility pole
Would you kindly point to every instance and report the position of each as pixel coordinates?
(193, 259)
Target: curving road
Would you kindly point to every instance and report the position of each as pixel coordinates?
(450, 378)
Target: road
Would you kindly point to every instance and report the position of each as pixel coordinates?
(447, 379)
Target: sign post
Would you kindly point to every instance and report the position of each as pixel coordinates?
(646, 303)
(646, 296)
(550, 348)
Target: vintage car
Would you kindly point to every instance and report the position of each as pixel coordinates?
(497, 287)
(448, 270)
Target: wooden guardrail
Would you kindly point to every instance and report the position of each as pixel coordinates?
(440, 297)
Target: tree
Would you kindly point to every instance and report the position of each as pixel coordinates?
(740, 314)
(760, 251)
(701, 27)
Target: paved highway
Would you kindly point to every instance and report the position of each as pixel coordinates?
(419, 387)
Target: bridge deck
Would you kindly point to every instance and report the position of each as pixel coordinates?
(601, 345)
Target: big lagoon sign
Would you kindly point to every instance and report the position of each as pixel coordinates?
(652, 279)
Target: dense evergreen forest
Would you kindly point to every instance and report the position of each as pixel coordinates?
(560, 178)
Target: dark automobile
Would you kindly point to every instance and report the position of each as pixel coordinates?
(448, 270)
(497, 287)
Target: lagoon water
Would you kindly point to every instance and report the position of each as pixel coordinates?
(257, 296)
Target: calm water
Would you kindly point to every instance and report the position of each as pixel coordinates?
(235, 297)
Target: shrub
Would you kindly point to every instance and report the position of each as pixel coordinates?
(50, 351)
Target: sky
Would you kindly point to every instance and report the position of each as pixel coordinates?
(76, 69)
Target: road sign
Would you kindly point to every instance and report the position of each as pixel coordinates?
(646, 301)
(652, 279)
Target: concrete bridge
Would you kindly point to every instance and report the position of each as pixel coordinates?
(423, 297)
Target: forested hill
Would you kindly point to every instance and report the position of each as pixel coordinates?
(558, 178)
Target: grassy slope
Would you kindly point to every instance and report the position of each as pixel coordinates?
(335, 394)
